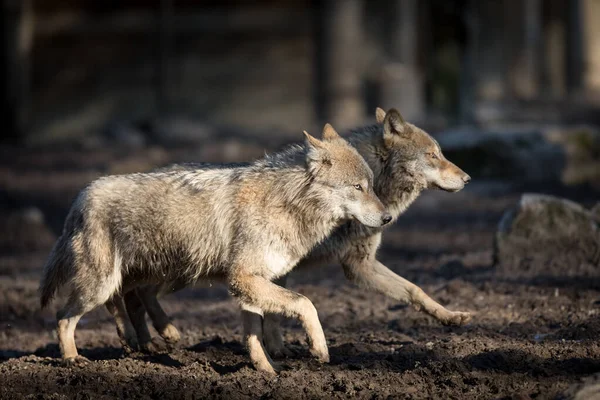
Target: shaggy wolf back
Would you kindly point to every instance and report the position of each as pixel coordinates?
(157, 220)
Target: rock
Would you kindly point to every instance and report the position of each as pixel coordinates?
(175, 131)
(546, 237)
(596, 210)
(588, 389)
(124, 134)
(568, 155)
(522, 155)
(26, 230)
(32, 216)
(581, 146)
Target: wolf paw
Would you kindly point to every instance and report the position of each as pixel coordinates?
(281, 352)
(278, 367)
(130, 345)
(77, 361)
(457, 318)
(322, 355)
(268, 368)
(170, 334)
(154, 346)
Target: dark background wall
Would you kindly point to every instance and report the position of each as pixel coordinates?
(70, 68)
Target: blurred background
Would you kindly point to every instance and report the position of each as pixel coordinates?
(509, 88)
(72, 67)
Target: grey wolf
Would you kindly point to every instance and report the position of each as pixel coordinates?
(247, 225)
(405, 161)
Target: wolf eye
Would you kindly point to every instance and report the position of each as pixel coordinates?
(434, 156)
(358, 187)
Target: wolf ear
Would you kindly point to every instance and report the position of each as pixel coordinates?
(316, 154)
(379, 115)
(393, 124)
(312, 142)
(329, 133)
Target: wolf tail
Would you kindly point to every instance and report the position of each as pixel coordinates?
(55, 271)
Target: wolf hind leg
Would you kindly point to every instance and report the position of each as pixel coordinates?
(125, 329)
(160, 319)
(68, 317)
(253, 340)
(88, 291)
(137, 315)
(272, 337)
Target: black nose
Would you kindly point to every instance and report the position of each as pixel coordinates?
(386, 218)
(466, 179)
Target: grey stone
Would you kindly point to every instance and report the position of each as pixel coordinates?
(587, 389)
(581, 147)
(181, 131)
(570, 155)
(516, 155)
(124, 134)
(546, 237)
(26, 230)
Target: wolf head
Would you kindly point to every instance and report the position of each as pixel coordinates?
(419, 153)
(337, 166)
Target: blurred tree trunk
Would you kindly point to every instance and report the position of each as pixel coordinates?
(490, 60)
(590, 17)
(523, 42)
(17, 40)
(574, 46)
(338, 68)
(468, 72)
(554, 69)
(165, 42)
(402, 83)
(531, 48)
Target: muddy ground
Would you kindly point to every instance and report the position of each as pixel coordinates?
(528, 339)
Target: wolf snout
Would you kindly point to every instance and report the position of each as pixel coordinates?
(386, 218)
(466, 179)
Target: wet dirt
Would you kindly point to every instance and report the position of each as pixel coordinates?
(528, 339)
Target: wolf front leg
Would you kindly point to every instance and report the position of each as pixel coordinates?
(262, 296)
(372, 274)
